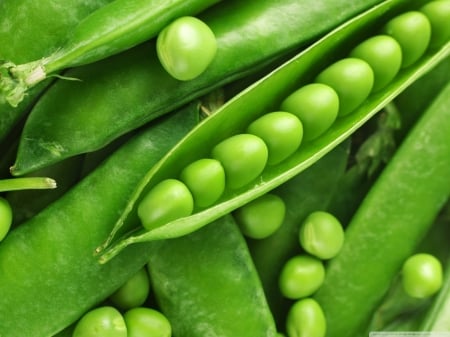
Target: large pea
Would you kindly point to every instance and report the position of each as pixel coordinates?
(6, 217)
(133, 292)
(306, 319)
(281, 131)
(243, 156)
(147, 322)
(352, 79)
(412, 30)
(438, 12)
(384, 55)
(101, 322)
(167, 201)
(205, 178)
(316, 105)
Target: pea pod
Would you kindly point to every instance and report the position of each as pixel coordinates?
(265, 95)
(248, 38)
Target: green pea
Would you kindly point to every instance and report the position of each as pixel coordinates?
(281, 131)
(301, 276)
(321, 235)
(261, 217)
(384, 55)
(316, 105)
(147, 322)
(186, 47)
(205, 178)
(243, 157)
(165, 202)
(352, 79)
(133, 293)
(412, 30)
(422, 275)
(6, 217)
(438, 12)
(306, 319)
(101, 322)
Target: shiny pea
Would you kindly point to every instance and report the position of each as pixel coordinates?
(243, 156)
(352, 79)
(101, 322)
(281, 131)
(147, 322)
(412, 30)
(186, 47)
(6, 217)
(306, 319)
(384, 55)
(132, 293)
(205, 178)
(167, 201)
(438, 12)
(261, 217)
(316, 105)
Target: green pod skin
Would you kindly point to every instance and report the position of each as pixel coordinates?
(6, 217)
(63, 124)
(69, 276)
(222, 293)
(406, 197)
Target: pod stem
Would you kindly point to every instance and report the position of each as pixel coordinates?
(27, 183)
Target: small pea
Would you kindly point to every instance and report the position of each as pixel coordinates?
(281, 131)
(243, 156)
(6, 217)
(352, 79)
(321, 235)
(412, 30)
(147, 322)
(133, 292)
(205, 178)
(316, 105)
(301, 276)
(167, 201)
(101, 322)
(186, 47)
(384, 55)
(261, 217)
(422, 275)
(438, 12)
(306, 319)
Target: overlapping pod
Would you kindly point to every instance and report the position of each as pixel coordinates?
(265, 96)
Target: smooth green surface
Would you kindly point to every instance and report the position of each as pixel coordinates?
(6, 217)
(306, 319)
(438, 13)
(147, 322)
(133, 293)
(101, 322)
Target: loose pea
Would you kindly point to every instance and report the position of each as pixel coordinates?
(352, 79)
(243, 157)
(281, 131)
(412, 30)
(301, 276)
(422, 275)
(261, 217)
(321, 235)
(165, 202)
(316, 105)
(133, 293)
(205, 178)
(147, 322)
(101, 322)
(384, 55)
(5, 217)
(306, 319)
(186, 47)
(438, 12)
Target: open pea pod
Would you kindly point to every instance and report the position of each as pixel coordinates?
(262, 97)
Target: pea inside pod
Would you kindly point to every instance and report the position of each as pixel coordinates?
(143, 322)
(102, 321)
(5, 217)
(306, 319)
(438, 12)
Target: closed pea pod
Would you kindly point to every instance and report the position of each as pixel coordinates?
(438, 12)
(306, 319)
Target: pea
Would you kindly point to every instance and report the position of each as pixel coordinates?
(316, 105)
(243, 156)
(186, 47)
(205, 178)
(321, 235)
(438, 12)
(6, 217)
(412, 30)
(261, 217)
(384, 55)
(132, 293)
(147, 322)
(422, 275)
(168, 200)
(281, 131)
(352, 79)
(306, 319)
(101, 322)
(301, 276)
